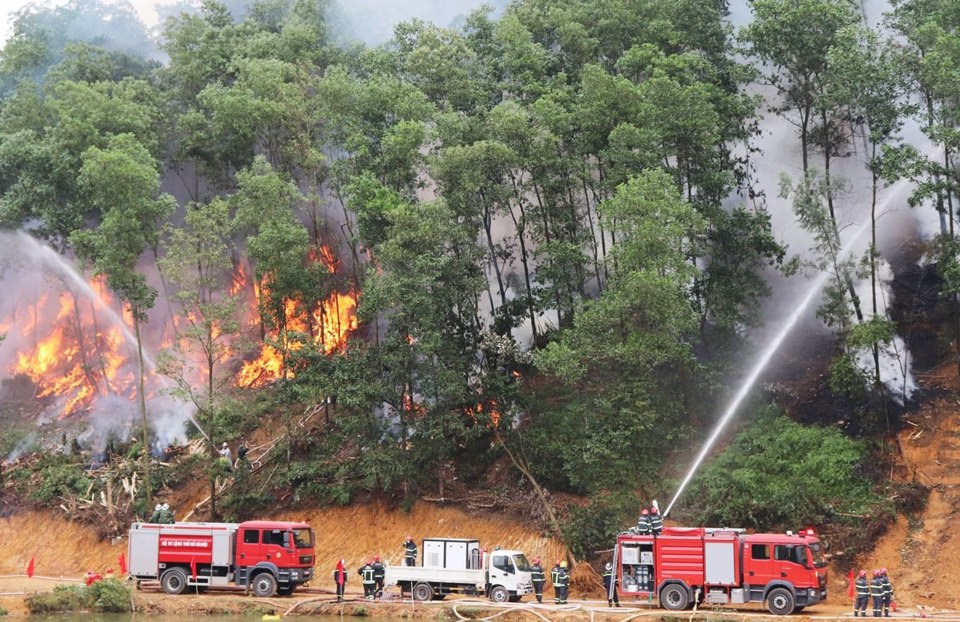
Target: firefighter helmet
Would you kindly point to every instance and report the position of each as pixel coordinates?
(654, 510)
(376, 558)
(644, 513)
(563, 564)
(166, 506)
(609, 566)
(536, 560)
(863, 573)
(883, 571)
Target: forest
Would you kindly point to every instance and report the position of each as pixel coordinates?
(533, 242)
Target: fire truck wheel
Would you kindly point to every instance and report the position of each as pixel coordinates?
(499, 594)
(422, 591)
(780, 601)
(174, 580)
(674, 597)
(264, 585)
(286, 590)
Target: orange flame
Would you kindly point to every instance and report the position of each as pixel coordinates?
(328, 326)
(71, 356)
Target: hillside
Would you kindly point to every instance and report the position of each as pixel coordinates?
(921, 554)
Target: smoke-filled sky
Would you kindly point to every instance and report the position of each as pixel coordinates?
(370, 21)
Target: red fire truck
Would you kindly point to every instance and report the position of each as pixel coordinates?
(684, 565)
(267, 557)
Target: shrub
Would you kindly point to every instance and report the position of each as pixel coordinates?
(107, 595)
(777, 474)
(110, 596)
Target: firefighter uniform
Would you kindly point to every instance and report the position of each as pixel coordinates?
(656, 522)
(538, 577)
(563, 584)
(555, 580)
(410, 552)
(610, 585)
(340, 579)
(643, 523)
(369, 583)
(876, 592)
(379, 573)
(862, 587)
(887, 592)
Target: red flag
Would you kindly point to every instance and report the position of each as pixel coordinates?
(193, 568)
(30, 566)
(122, 562)
(850, 588)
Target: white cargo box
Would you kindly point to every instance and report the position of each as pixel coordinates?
(452, 553)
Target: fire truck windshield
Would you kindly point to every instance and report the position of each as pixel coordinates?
(816, 551)
(521, 561)
(303, 538)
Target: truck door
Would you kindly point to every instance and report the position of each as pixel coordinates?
(502, 571)
(758, 568)
(790, 562)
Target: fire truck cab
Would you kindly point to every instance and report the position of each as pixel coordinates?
(681, 566)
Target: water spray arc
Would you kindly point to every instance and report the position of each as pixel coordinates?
(747, 385)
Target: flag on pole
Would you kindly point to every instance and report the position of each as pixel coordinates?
(31, 566)
(122, 562)
(850, 580)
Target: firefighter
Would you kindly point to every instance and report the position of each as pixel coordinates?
(610, 585)
(538, 577)
(555, 580)
(378, 575)
(862, 587)
(643, 523)
(340, 579)
(410, 551)
(656, 521)
(366, 575)
(563, 583)
(155, 517)
(166, 515)
(876, 592)
(226, 457)
(887, 592)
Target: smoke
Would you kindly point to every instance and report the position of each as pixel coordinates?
(372, 21)
(67, 340)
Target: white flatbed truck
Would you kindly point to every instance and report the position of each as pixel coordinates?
(460, 566)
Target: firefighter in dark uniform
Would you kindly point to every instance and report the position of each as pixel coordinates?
(887, 592)
(610, 585)
(656, 521)
(643, 523)
(538, 577)
(862, 587)
(876, 592)
(555, 580)
(410, 551)
(366, 575)
(563, 583)
(379, 573)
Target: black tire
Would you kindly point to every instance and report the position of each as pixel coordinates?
(264, 585)
(174, 580)
(674, 597)
(499, 594)
(286, 590)
(422, 591)
(780, 601)
(515, 599)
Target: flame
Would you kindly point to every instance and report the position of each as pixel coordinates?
(69, 355)
(327, 325)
